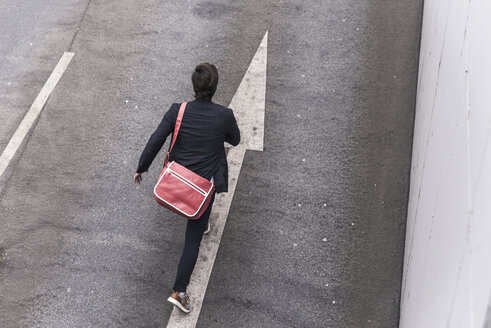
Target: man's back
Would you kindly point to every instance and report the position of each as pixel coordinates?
(205, 127)
(199, 146)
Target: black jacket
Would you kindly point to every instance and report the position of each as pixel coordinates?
(199, 146)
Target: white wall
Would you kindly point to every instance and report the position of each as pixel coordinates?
(447, 264)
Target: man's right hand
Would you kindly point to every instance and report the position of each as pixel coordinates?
(137, 178)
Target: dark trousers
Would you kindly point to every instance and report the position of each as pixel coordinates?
(194, 233)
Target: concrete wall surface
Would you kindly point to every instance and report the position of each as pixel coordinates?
(447, 264)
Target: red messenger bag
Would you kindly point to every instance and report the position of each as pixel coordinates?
(179, 189)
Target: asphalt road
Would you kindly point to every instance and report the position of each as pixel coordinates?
(82, 246)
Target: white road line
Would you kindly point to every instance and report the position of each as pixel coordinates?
(32, 115)
(248, 105)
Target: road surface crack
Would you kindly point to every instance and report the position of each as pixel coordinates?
(79, 25)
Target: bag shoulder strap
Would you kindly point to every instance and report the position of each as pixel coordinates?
(178, 124)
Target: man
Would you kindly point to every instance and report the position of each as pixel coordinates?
(200, 148)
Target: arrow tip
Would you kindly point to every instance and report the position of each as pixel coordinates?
(249, 101)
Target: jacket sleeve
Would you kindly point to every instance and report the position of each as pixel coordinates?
(233, 135)
(157, 139)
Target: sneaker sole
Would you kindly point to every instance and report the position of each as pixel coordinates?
(207, 231)
(179, 305)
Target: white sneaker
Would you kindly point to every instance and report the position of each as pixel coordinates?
(207, 230)
(182, 302)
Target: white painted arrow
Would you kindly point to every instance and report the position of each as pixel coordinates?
(248, 105)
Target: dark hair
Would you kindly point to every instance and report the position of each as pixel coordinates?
(205, 80)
